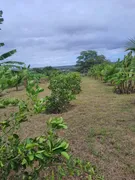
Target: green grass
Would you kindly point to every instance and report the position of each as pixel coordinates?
(132, 128)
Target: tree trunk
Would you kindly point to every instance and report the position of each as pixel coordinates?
(16, 87)
(25, 83)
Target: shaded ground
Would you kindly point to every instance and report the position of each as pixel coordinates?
(101, 128)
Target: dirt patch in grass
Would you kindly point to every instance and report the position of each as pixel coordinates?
(101, 128)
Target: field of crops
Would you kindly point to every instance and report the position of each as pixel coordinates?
(67, 122)
(101, 127)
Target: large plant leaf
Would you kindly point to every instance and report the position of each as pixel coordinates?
(65, 154)
(131, 45)
(13, 62)
(8, 54)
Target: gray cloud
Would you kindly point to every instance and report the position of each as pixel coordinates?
(54, 32)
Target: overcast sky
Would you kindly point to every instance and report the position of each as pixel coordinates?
(53, 32)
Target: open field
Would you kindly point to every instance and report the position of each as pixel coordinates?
(101, 127)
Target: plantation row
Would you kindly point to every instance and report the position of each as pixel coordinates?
(121, 74)
(64, 88)
(46, 156)
(16, 75)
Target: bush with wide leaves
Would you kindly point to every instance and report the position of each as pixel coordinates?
(42, 157)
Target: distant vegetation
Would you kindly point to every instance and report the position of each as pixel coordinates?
(87, 59)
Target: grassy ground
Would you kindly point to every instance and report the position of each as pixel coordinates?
(101, 128)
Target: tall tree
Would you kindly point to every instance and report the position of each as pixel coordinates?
(87, 59)
(12, 72)
(7, 54)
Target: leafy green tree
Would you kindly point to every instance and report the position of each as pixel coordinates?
(37, 70)
(10, 53)
(87, 59)
(48, 70)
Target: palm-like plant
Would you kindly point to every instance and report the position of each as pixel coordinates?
(12, 73)
(131, 45)
(121, 74)
(10, 53)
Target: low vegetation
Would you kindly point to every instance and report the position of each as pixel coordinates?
(121, 74)
(64, 89)
(8, 101)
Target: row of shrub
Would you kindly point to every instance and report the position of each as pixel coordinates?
(63, 87)
(46, 156)
(120, 74)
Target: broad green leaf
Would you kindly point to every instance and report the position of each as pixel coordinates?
(63, 145)
(31, 145)
(40, 156)
(24, 161)
(65, 154)
(31, 157)
(49, 144)
(1, 164)
(39, 152)
(8, 54)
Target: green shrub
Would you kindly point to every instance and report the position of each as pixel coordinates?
(69, 81)
(33, 90)
(64, 88)
(17, 155)
(47, 154)
(54, 73)
(8, 101)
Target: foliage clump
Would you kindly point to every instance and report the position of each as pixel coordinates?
(64, 88)
(8, 101)
(87, 59)
(121, 74)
